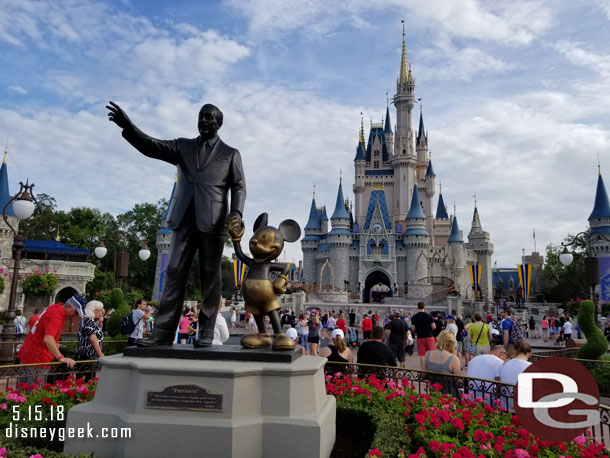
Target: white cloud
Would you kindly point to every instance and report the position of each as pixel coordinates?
(17, 89)
(578, 55)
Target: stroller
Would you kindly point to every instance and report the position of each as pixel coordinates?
(410, 344)
(352, 337)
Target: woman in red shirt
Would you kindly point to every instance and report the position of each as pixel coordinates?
(341, 323)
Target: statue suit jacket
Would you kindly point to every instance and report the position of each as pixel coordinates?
(206, 184)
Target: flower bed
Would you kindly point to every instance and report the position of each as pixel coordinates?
(39, 406)
(417, 425)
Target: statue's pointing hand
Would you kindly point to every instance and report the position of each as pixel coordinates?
(118, 116)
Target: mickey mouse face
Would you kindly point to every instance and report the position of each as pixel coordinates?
(266, 244)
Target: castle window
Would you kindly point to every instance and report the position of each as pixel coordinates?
(376, 153)
(404, 151)
(376, 164)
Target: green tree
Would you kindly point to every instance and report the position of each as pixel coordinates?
(561, 284)
(121, 310)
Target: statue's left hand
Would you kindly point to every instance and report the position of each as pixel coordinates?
(118, 116)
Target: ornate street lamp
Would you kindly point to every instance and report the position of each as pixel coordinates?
(24, 204)
(121, 258)
(591, 261)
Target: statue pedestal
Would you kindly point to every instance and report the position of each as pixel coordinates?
(207, 408)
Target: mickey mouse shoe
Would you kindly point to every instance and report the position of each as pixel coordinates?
(282, 343)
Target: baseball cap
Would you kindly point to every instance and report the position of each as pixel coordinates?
(338, 332)
(292, 333)
(450, 317)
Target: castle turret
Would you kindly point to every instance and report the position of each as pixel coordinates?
(421, 147)
(387, 130)
(479, 242)
(456, 250)
(164, 240)
(324, 221)
(416, 238)
(339, 240)
(310, 242)
(599, 219)
(360, 170)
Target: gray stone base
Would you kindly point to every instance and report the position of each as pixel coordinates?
(268, 410)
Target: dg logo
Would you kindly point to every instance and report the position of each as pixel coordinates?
(557, 399)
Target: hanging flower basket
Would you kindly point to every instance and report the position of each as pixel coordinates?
(39, 284)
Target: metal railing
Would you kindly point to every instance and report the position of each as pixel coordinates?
(13, 374)
(456, 385)
(67, 346)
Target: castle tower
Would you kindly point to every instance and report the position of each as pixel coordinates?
(421, 147)
(360, 168)
(599, 219)
(310, 243)
(430, 187)
(456, 250)
(339, 240)
(404, 100)
(387, 130)
(442, 222)
(7, 236)
(483, 248)
(164, 240)
(416, 239)
(324, 221)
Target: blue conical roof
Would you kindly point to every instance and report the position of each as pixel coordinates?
(430, 171)
(388, 125)
(441, 212)
(601, 209)
(164, 229)
(415, 211)
(324, 216)
(360, 153)
(5, 194)
(313, 222)
(340, 210)
(421, 131)
(455, 236)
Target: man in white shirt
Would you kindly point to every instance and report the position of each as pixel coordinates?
(140, 316)
(567, 329)
(485, 367)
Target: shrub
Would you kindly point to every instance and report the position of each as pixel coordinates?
(132, 296)
(121, 310)
(596, 345)
(39, 284)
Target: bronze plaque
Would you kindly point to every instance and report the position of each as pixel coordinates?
(184, 397)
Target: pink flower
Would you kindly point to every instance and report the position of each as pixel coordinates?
(3, 406)
(520, 453)
(2, 452)
(375, 452)
(580, 440)
(36, 456)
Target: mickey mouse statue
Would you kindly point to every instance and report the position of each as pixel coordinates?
(259, 291)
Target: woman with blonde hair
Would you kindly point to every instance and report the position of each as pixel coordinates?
(444, 361)
(90, 335)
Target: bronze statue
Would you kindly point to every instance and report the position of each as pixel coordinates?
(208, 170)
(258, 290)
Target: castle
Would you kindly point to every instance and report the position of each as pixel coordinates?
(390, 243)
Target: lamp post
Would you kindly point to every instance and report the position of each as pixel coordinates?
(121, 261)
(24, 204)
(591, 261)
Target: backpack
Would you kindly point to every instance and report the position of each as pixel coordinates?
(352, 336)
(19, 329)
(516, 332)
(127, 326)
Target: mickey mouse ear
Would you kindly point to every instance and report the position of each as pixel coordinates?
(261, 221)
(290, 230)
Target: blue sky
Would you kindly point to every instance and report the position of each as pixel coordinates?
(516, 99)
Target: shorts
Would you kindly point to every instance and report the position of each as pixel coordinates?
(399, 352)
(425, 345)
(366, 335)
(470, 347)
(314, 340)
(481, 350)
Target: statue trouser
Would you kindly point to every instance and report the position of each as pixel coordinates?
(186, 240)
(262, 339)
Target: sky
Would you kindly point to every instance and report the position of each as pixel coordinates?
(516, 100)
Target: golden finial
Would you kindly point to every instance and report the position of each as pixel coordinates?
(314, 191)
(599, 167)
(57, 236)
(403, 61)
(475, 198)
(5, 153)
(454, 208)
(440, 187)
(340, 175)
(362, 130)
(387, 99)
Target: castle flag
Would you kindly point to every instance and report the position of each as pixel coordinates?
(475, 277)
(525, 274)
(239, 271)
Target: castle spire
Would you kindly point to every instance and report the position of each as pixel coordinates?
(340, 210)
(601, 208)
(403, 62)
(388, 125)
(5, 194)
(441, 211)
(313, 222)
(456, 235)
(422, 138)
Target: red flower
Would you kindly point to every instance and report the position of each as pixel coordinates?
(375, 452)
(47, 400)
(437, 386)
(457, 424)
(420, 418)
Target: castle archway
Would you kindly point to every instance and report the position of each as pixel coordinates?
(377, 287)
